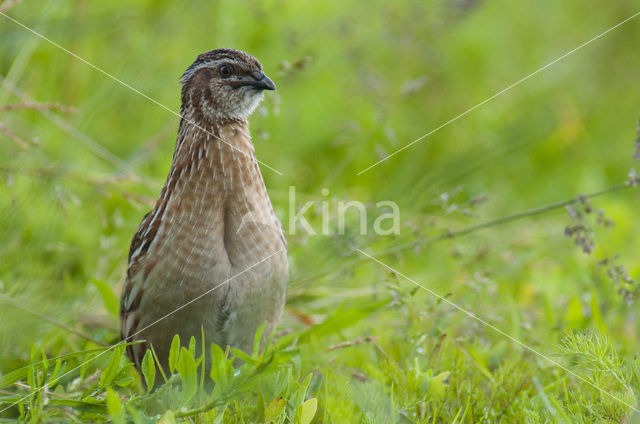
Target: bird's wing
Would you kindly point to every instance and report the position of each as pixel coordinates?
(132, 295)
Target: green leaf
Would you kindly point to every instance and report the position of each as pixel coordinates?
(186, 367)
(438, 386)
(39, 366)
(58, 369)
(221, 370)
(202, 360)
(274, 409)
(257, 339)
(124, 381)
(308, 410)
(304, 386)
(111, 370)
(479, 362)
(158, 364)
(167, 418)
(43, 361)
(109, 299)
(218, 365)
(636, 370)
(31, 376)
(244, 357)
(174, 353)
(114, 407)
(192, 346)
(340, 319)
(148, 368)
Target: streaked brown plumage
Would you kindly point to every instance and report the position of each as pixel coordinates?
(213, 227)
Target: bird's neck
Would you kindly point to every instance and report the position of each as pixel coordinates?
(203, 136)
(219, 154)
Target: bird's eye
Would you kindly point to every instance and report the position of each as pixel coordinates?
(225, 70)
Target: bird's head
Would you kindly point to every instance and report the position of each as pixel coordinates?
(224, 84)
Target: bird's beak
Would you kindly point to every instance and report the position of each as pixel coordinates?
(262, 82)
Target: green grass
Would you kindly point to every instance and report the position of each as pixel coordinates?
(356, 81)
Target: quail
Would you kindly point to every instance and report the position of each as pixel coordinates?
(210, 258)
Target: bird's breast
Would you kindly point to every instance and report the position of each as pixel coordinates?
(218, 215)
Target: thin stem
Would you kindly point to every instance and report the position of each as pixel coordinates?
(37, 106)
(14, 137)
(505, 219)
(450, 234)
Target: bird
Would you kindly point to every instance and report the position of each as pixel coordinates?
(210, 258)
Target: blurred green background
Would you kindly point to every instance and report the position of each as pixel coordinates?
(356, 81)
